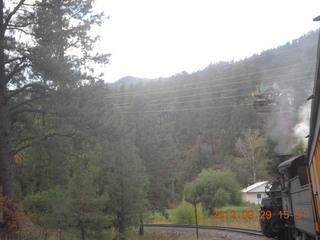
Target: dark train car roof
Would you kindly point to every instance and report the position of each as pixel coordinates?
(292, 164)
(315, 117)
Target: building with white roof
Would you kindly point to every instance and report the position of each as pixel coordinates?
(253, 194)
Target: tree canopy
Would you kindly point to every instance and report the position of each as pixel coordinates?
(215, 188)
(253, 149)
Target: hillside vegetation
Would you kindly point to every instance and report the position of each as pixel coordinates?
(93, 161)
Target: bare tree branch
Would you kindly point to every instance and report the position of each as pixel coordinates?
(24, 140)
(14, 59)
(26, 102)
(8, 19)
(16, 92)
(38, 5)
(17, 68)
(21, 30)
(45, 137)
(26, 111)
(21, 25)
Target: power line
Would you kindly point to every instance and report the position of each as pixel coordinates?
(155, 92)
(226, 90)
(210, 93)
(197, 87)
(205, 108)
(144, 92)
(207, 99)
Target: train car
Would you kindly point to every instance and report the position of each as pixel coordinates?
(292, 208)
(287, 212)
(313, 151)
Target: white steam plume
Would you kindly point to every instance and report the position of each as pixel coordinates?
(301, 130)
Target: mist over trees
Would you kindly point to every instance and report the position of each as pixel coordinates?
(92, 160)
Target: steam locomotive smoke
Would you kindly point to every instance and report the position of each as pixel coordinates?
(301, 130)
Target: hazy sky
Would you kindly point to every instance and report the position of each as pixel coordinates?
(159, 38)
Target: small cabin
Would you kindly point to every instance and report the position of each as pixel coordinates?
(254, 193)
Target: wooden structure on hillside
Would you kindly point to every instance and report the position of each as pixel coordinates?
(267, 99)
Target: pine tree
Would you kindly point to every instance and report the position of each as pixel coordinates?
(126, 184)
(38, 63)
(12, 63)
(86, 206)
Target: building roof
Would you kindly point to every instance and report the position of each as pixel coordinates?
(257, 187)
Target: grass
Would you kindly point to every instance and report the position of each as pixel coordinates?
(240, 217)
(240, 213)
(158, 218)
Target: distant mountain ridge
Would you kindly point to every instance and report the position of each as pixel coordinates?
(260, 59)
(129, 81)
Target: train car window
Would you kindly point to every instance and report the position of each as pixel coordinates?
(302, 172)
(282, 181)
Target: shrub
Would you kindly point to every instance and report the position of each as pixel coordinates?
(184, 214)
(216, 188)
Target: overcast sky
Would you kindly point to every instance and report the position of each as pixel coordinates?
(160, 38)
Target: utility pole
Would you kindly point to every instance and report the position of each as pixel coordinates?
(194, 203)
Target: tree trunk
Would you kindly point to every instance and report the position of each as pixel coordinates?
(6, 173)
(254, 175)
(173, 190)
(83, 232)
(141, 228)
(5, 158)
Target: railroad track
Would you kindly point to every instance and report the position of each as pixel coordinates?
(232, 229)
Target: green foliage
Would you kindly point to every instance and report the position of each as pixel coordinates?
(185, 214)
(157, 146)
(299, 149)
(221, 197)
(64, 47)
(43, 205)
(86, 206)
(217, 188)
(203, 157)
(296, 147)
(232, 163)
(229, 162)
(242, 118)
(156, 218)
(126, 184)
(78, 207)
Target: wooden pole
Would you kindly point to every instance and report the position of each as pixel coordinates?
(196, 215)
(194, 203)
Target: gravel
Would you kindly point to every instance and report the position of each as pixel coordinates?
(216, 234)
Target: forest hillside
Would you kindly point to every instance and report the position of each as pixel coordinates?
(93, 161)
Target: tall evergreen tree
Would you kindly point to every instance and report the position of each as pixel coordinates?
(39, 55)
(86, 205)
(126, 184)
(13, 62)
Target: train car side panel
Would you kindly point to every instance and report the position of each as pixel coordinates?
(314, 170)
(313, 154)
(302, 207)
